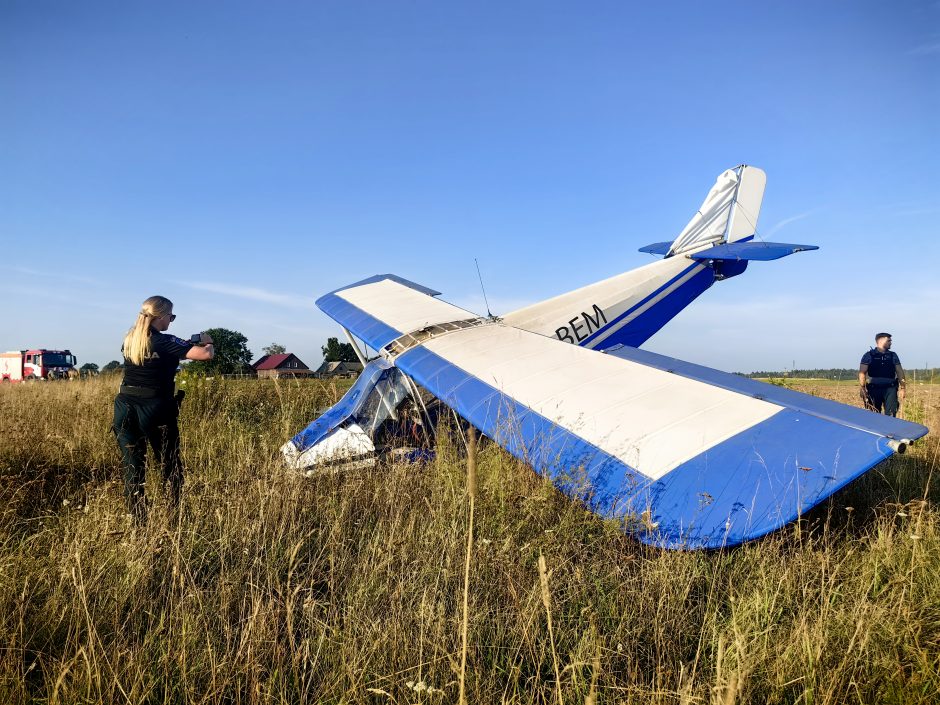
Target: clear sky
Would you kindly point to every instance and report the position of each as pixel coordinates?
(243, 158)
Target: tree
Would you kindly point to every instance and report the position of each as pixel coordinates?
(113, 366)
(89, 368)
(335, 351)
(274, 349)
(232, 355)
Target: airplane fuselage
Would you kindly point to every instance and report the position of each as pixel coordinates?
(623, 310)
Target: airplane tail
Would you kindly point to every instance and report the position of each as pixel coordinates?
(629, 308)
(728, 214)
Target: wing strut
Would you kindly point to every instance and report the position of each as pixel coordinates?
(355, 346)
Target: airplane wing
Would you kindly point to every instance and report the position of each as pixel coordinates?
(685, 456)
(384, 307)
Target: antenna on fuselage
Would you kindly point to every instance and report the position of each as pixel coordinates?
(488, 312)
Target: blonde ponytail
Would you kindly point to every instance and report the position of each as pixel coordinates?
(137, 340)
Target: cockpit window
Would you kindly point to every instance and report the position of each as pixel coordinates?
(382, 402)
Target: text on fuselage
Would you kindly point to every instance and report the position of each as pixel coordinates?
(580, 327)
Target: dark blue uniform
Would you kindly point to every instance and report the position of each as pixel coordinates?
(146, 411)
(882, 383)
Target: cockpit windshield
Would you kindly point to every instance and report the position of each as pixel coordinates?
(382, 402)
(51, 359)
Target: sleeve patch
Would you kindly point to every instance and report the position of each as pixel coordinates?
(173, 346)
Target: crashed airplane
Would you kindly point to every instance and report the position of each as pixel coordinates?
(689, 457)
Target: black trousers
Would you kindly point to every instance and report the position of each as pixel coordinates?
(137, 423)
(884, 399)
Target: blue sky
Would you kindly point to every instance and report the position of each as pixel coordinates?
(244, 158)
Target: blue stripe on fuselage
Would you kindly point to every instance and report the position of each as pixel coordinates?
(661, 312)
(650, 322)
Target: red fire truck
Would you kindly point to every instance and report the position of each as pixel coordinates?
(25, 365)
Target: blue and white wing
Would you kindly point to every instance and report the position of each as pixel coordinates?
(384, 307)
(698, 464)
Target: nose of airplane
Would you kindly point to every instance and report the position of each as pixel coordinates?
(346, 444)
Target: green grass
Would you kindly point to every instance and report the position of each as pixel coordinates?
(348, 588)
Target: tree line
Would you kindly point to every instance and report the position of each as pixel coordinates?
(232, 355)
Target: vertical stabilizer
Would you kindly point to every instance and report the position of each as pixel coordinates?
(729, 212)
(747, 204)
(629, 308)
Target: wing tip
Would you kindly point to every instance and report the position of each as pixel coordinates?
(375, 278)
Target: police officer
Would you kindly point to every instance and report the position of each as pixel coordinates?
(881, 377)
(145, 410)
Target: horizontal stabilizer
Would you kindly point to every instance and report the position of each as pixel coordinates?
(762, 251)
(657, 248)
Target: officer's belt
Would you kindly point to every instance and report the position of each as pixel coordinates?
(882, 381)
(143, 392)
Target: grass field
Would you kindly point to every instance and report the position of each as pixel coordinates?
(349, 588)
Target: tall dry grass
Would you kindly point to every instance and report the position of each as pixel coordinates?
(269, 588)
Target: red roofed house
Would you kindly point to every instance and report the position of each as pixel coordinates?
(284, 365)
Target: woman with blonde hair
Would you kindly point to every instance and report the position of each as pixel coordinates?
(146, 410)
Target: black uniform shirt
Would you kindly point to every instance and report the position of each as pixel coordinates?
(159, 369)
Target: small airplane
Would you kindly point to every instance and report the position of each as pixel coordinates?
(686, 456)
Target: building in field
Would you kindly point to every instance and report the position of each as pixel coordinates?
(339, 369)
(284, 365)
